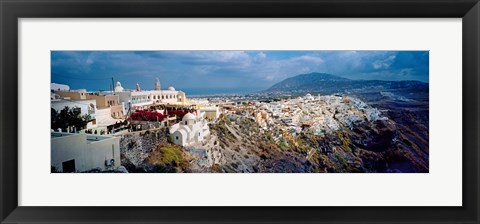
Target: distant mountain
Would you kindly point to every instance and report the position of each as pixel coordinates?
(328, 83)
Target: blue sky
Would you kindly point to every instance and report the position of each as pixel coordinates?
(93, 70)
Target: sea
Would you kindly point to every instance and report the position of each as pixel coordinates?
(202, 92)
(219, 91)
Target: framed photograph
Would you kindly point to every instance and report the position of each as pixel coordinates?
(239, 111)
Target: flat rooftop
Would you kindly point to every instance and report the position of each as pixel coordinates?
(90, 138)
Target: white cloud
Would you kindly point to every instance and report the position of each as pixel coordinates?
(385, 63)
(309, 58)
(270, 77)
(305, 70)
(260, 57)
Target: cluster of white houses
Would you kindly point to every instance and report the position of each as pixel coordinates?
(81, 151)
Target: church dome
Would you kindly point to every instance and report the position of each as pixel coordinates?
(171, 88)
(188, 116)
(118, 87)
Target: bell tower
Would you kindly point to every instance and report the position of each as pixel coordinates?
(157, 84)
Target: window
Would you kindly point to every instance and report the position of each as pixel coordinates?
(176, 137)
(68, 166)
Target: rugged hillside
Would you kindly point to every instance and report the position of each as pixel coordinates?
(382, 146)
(328, 84)
(239, 145)
(243, 148)
(150, 151)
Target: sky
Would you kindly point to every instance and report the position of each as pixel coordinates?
(254, 70)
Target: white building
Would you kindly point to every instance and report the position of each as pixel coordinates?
(138, 98)
(309, 97)
(212, 113)
(192, 129)
(82, 152)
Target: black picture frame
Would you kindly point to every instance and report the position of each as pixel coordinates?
(11, 11)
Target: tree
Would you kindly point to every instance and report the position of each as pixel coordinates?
(68, 117)
(170, 138)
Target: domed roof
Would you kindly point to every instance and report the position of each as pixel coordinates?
(171, 88)
(118, 87)
(188, 116)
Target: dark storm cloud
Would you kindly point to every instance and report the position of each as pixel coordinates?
(93, 70)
